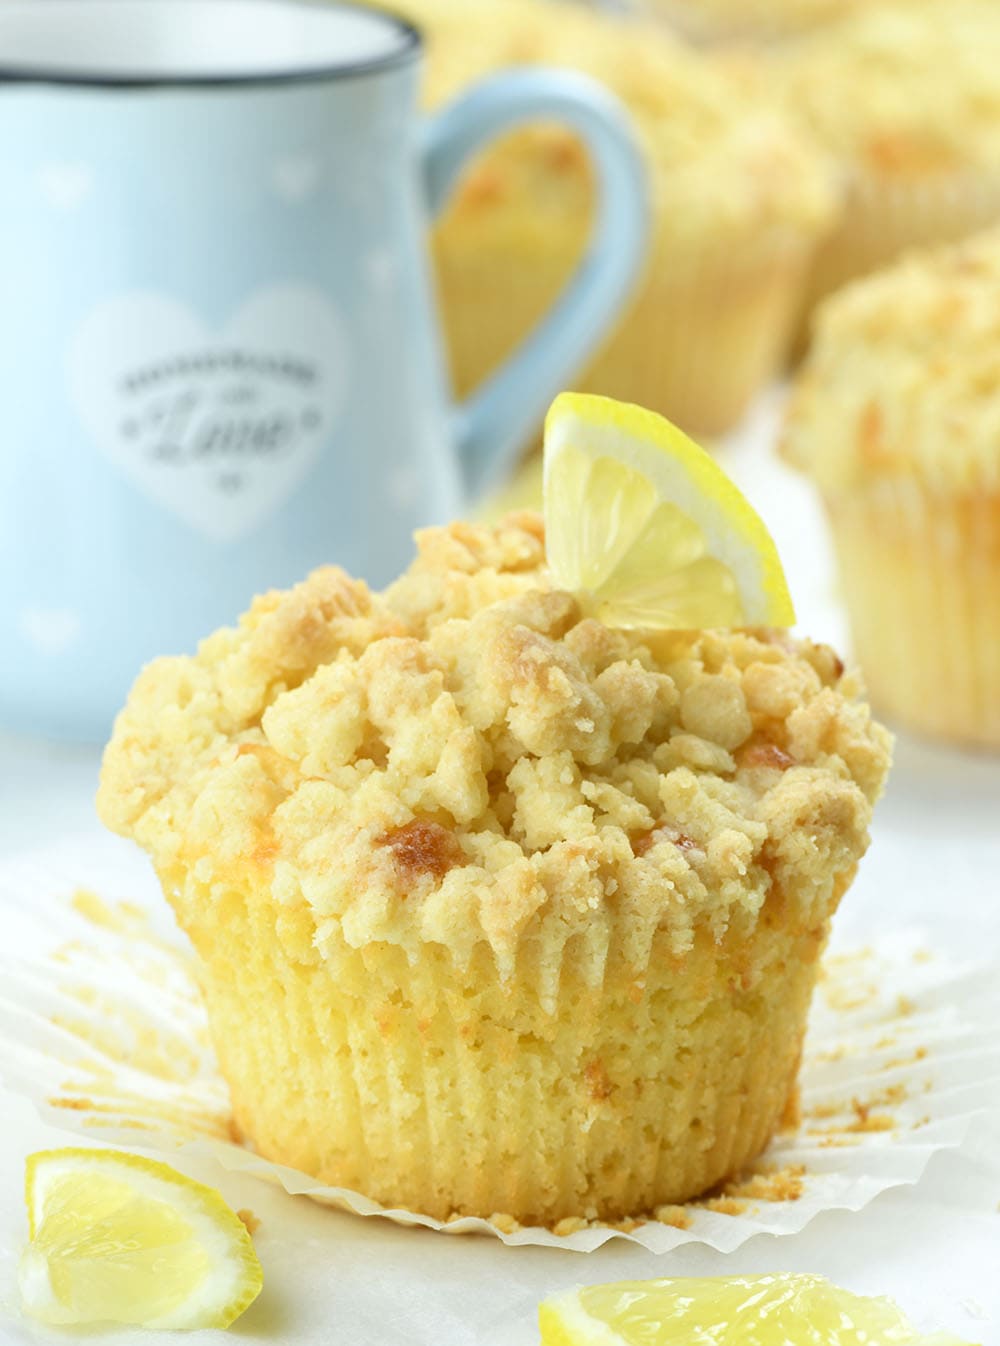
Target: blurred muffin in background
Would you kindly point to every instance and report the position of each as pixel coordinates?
(896, 416)
(740, 201)
(737, 20)
(906, 100)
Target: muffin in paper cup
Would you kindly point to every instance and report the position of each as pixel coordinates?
(904, 100)
(498, 910)
(896, 416)
(740, 202)
(882, 219)
(747, 20)
(697, 343)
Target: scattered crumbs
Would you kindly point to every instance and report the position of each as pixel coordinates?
(572, 1224)
(675, 1216)
(250, 1220)
(821, 1112)
(723, 1205)
(890, 1095)
(921, 1121)
(72, 1104)
(831, 1054)
(844, 998)
(109, 915)
(923, 956)
(783, 1184)
(872, 1121)
(919, 1054)
(834, 1142)
(833, 963)
(904, 1006)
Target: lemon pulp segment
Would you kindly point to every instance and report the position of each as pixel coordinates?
(727, 1311)
(647, 530)
(114, 1237)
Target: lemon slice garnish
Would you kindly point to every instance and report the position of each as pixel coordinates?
(118, 1238)
(647, 530)
(727, 1311)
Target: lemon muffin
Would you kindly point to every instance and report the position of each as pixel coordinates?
(739, 202)
(896, 415)
(906, 101)
(499, 910)
(736, 20)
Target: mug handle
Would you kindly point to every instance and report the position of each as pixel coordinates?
(498, 417)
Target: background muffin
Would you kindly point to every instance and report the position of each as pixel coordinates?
(497, 909)
(896, 415)
(739, 202)
(729, 20)
(905, 99)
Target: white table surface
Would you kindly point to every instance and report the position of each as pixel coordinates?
(934, 863)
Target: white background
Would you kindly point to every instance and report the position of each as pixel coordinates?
(331, 1278)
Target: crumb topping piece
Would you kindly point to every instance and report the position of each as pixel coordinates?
(722, 166)
(464, 758)
(903, 376)
(923, 96)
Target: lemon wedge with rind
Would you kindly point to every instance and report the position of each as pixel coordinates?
(114, 1237)
(646, 528)
(727, 1311)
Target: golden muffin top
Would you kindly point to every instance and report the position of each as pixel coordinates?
(738, 19)
(903, 376)
(462, 758)
(751, 18)
(900, 91)
(721, 166)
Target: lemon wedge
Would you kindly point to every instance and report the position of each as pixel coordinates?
(117, 1238)
(727, 1311)
(647, 530)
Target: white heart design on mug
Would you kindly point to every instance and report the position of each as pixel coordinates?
(218, 428)
(65, 186)
(295, 177)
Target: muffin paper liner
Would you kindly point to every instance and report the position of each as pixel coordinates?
(922, 586)
(102, 1027)
(882, 219)
(709, 325)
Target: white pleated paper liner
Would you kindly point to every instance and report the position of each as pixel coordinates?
(101, 1025)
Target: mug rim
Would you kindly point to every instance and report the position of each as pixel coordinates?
(410, 46)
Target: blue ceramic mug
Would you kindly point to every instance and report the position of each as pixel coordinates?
(219, 358)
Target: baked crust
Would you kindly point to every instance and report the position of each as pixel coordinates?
(463, 760)
(902, 378)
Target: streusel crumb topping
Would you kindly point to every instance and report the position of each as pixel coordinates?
(464, 758)
(900, 91)
(903, 376)
(722, 166)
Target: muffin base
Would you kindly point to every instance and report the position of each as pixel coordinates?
(705, 333)
(921, 576)
(880, 220)
(446, 1091)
